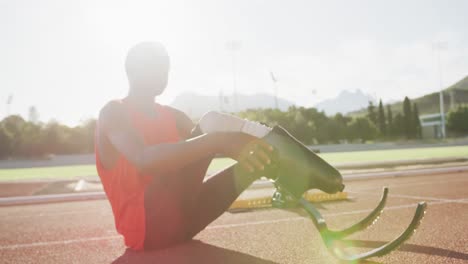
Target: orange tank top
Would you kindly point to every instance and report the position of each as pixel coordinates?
(124, 185)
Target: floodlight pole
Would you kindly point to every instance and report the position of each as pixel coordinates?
(234, 46)
(8, 103)
(276, 95)
(439, 46)
(275, 87)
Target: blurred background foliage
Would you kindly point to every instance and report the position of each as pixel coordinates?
(32, 139)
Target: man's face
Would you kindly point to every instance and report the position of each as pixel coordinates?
(147, 68)
(150, 76)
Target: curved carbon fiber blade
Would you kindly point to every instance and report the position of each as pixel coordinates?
(339, 234)
(339, 253)
(333, 239)
(368, 221)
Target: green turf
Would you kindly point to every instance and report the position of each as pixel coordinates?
(67, 172)
(62, 172)
(220, 163)
(377, 155)
(396, 154)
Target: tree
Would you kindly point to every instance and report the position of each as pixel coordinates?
(5, 148)
(381, 120)
(31, 141)
(398, 125)
(342, 123)
(416, 122)
(371, 113)
(408, 127)
(53, 137)
(390, 129)
(362, 128)
(301, 126)
(13, 126)
(457, 120)
(20, 138)
(89, 127)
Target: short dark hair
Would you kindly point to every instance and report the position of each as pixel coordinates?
(143, 53)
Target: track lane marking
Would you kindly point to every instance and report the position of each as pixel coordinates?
(9, 215)
(100, 212)
(58, 242)
(461, 200)
(298, 218)
(396, 185)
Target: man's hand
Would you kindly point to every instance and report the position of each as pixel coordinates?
(253, 154)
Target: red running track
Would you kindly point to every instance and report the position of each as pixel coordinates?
(83, 232)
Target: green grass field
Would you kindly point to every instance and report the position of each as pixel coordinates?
(62, 172)
(396, 154)
(68, 172)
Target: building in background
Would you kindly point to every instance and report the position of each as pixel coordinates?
(431, 125)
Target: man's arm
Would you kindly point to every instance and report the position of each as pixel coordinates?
(234, 141)
(116, 126)
(184, 124)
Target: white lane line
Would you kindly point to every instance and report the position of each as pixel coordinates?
(101, 212)
(406, 173)
(298, 218)
(421, 198)
(355, 190)
(396, 185)
(256, 223)
(59, 242)
(390, 208)
(51, 198)
(39, 199)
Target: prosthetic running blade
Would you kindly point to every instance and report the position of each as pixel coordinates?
(334, 239)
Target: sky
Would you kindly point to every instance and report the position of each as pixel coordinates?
(66, 57)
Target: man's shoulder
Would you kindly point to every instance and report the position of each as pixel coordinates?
(111, 108)
(183, 122)
(173, 109)
(177, 113)
(111, 113)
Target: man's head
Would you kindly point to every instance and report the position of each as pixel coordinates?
(147, 66)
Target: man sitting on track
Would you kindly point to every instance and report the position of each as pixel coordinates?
(152, 159)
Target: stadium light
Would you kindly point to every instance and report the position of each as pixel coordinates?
(234, 46)
(438, 46)
(275, 83)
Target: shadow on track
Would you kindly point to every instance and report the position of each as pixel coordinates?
(413, 248)
(191, 252)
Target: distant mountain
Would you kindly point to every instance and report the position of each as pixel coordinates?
(345, 102)
(460, 85)
(454, 95)
(196, 105)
